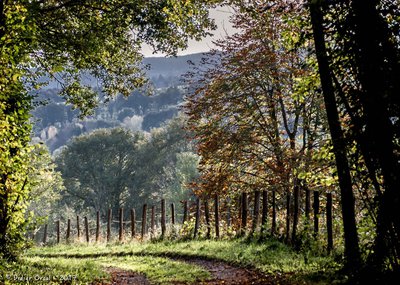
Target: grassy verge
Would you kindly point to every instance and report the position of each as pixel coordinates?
(87, 262)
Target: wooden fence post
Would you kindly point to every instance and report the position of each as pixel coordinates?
(287, 216)
(58, 231)
(316, 213)
(264, 216)
(45, 234)
(163, 219)
(153, 220)
(78, 229)
(228, 212)
(216, 215)
(109, 221)
(308, 203)
(144, 220)
(273, 222)
(244, 213)
(121, 224)
(133, 223)
(185, 212)
(173, 213)
(295, 212)
(97, 226)
(68, 230)
(197, 222)
(87, 229)
(240, 203)
(329, 221)
(207, 216)
(256, 213)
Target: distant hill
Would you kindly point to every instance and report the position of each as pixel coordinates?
(162, 71)
(171, 66)
(56, 123)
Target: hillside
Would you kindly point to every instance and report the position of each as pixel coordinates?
(55, 123)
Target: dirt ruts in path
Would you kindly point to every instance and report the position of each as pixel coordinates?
(224, 273)
(221, 273)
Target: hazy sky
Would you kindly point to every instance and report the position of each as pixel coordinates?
(221, 16)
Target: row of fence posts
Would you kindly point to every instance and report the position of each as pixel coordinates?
(243, 214)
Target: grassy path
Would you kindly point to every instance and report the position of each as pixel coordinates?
(170, 262)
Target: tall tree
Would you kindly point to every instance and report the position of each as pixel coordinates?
(255, 111)
(347, 196)
(362, 65)
(99, 169)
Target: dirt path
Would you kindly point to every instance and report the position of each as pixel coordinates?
(224, 273)
(221, 273)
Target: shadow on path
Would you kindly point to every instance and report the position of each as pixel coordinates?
(221, 271)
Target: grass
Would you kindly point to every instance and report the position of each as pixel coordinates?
(38, 270)
(86, 263)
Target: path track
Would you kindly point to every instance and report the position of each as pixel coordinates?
(221, 273)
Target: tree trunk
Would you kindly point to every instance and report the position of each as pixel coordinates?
(352, 252)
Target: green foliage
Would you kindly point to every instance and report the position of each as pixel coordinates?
(99, 168)
(166, 164)
(64, 39)
(113, 168)
(46, 187)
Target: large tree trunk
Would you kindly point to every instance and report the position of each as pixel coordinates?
(352, 251)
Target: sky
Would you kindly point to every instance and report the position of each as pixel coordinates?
(221, 16)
